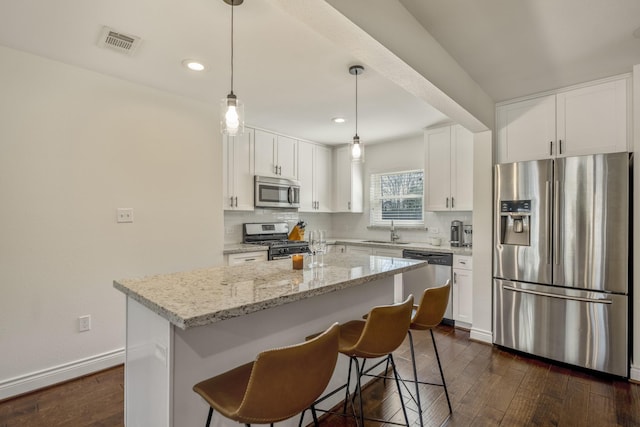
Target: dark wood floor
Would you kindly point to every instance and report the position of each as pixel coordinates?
(488, 387)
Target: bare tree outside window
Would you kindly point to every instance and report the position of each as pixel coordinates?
(397, 196)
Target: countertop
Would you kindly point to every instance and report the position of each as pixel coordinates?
(241, 247)
(200, 297)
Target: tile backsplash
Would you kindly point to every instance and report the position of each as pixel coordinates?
(233, 221)
(344, 225)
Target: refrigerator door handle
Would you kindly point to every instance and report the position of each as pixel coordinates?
(556, 222)
(548, 294)
(548, 218)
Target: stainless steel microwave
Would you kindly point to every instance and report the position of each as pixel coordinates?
(273, 192)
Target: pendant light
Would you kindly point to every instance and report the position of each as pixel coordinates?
(357, 148)
(231, 109)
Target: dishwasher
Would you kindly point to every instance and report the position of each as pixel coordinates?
(435, 274)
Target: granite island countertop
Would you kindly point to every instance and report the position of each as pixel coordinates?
(200, 297)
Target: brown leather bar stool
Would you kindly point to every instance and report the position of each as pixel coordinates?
(279, 384)
(378, 336)
(425, 316)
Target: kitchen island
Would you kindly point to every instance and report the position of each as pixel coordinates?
(185, 327)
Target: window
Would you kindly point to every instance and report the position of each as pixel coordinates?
(397, 196)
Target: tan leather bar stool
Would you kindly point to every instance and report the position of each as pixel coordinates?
(278, 385)
(425, 316)
(378, 336)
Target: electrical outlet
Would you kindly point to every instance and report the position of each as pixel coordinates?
(84, 323)
(124, 215)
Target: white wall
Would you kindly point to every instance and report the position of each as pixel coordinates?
(74, 146)
(482, 329)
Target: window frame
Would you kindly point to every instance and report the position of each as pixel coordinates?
(376, 199)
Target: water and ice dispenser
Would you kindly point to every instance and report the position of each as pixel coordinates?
(515, 222)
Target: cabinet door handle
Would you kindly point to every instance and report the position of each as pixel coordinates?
(349, 205)
(455, 277)
(560, 146)
(236, 201)
(279, 170)
(249, 259)
(551, 148)
(452, 202)
(447, 203)
(275, 168)
(231, 200)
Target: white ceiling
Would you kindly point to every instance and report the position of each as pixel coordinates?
(513, 48)
(294, 81)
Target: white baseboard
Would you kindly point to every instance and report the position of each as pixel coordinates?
(481, 335)
(46, 377)
(634, 373)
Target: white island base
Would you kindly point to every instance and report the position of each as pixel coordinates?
(163, 362)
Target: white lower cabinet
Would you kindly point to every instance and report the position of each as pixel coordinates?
(393, 253)
(364, 250)
(242, 258)
(462, 291)
(336, 249)
(372, 250)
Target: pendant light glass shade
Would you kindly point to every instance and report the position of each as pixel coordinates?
(357, 148)
(231, 116)
(231, 109)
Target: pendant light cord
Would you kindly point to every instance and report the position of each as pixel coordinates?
(232, 6)
(356, 103)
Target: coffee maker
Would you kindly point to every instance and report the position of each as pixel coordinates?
(456, 234)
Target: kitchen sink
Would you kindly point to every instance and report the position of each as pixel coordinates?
(386, 242)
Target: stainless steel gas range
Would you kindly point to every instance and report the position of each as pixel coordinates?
(275, 236)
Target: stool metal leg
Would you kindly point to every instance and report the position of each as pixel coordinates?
(395, 374)
(359, 389)
(316, 423)
(209, 416)
(346, 393)
(444, 383)
(415, 377)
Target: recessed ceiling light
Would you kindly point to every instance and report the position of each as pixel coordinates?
(338, 120)
(193, 65)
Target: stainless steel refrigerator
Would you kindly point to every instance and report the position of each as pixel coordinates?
(561, 264)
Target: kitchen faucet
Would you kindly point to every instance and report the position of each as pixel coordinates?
(394, 235)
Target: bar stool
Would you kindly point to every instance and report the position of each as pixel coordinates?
(425, 316)
(378, 336)
(279, 384)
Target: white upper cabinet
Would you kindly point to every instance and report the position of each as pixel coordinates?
(527, 129)
(593, 119)
(590, 119)
(315, 176)
(348, 183)
(238, 171)
(448, 169)
(275, 155)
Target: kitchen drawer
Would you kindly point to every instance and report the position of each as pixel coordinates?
(462, 261)
(241, 258)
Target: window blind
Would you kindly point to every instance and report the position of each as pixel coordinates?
(397, 196)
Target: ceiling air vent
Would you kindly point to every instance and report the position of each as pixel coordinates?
(123, 43)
